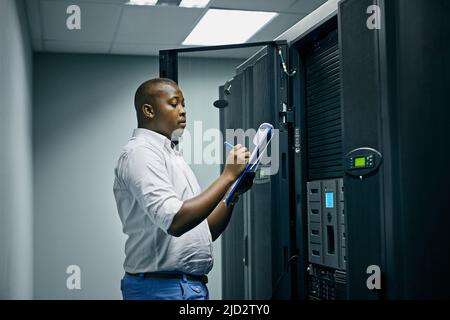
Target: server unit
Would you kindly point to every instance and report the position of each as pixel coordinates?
(364, 144)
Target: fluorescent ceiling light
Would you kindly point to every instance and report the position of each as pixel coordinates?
(142, 2)
(219, 27)
(183, 3)
(194, 3)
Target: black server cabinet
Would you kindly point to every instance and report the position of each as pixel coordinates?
(370, 120)
(395, 84)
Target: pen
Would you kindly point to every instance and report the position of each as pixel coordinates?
(229, 145)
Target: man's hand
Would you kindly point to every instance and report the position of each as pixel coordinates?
(245, 185)
(236, 162)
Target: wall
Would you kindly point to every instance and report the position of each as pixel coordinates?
(16, 258)
(83, 115)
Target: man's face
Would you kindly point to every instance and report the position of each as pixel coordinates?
(170, 113)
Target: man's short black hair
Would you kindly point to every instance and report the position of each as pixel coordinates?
(146, 91)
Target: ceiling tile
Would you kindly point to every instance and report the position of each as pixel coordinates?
(306, 6)
(110, 26)
(277, 26)
(256, 5)
(162, 25)
(76, 46)
(98, 21)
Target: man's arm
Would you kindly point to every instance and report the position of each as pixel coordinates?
(197, 209)
(220, 217)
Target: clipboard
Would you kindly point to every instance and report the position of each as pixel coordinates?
(261, 140)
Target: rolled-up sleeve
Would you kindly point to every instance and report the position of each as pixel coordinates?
(148, 180)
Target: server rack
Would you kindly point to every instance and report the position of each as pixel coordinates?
(393, 83)
(395, 100)
(321, 224)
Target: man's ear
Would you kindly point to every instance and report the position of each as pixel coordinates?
(148, 111)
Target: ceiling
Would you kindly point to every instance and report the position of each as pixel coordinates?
(111, 27)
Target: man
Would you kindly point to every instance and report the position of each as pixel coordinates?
(170, 223)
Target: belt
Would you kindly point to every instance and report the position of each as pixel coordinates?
(202, 279)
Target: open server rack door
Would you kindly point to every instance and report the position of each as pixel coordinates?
(257, 247)
(395, 84)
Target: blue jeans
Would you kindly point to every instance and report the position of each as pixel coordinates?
(141, 288)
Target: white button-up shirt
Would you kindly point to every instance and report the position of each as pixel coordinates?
(151, 182)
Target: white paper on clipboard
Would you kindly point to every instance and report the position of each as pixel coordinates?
(261, 141)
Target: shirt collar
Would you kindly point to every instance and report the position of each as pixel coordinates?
(154, 138)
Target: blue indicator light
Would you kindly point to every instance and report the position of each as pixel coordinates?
(329, 200)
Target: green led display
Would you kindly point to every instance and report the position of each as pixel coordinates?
(360, 162)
